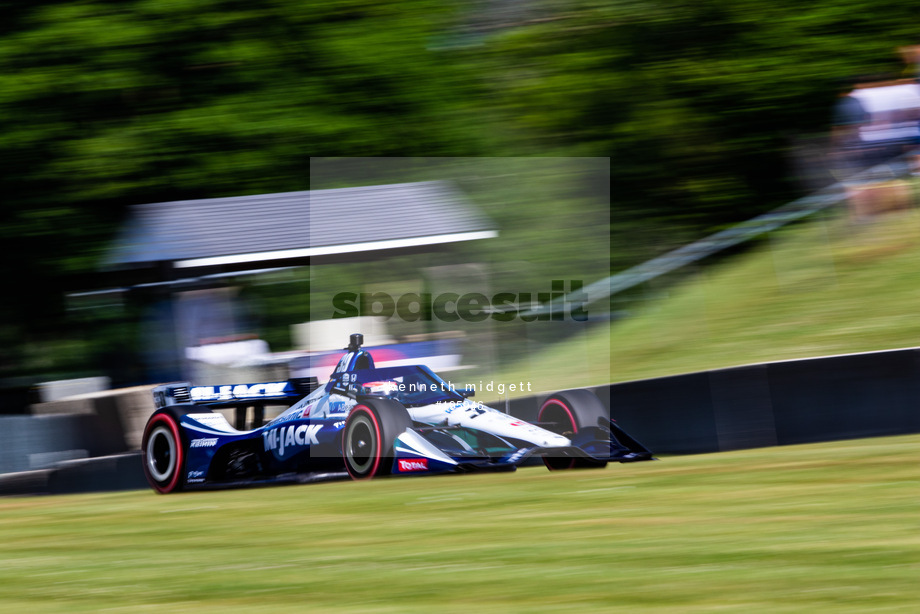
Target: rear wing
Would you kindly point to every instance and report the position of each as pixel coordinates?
(235, 395)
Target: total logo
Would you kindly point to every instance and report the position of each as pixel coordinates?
(415, 464)
(284, 438)
(238, 391)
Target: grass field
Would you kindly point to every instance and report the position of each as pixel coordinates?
(830, 527)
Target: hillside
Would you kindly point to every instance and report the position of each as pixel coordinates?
(823, 287)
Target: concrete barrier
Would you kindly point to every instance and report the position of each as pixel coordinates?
(87, 442)
(62, 389)
(29, 443)
(119, 416)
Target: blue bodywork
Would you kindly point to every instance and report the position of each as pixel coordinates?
(307, 441)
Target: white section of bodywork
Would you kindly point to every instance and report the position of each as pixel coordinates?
(478, 416)
(411, 441)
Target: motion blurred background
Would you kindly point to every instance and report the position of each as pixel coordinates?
(702, 114)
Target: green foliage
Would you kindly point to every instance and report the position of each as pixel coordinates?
(695, 102)
(107, 104)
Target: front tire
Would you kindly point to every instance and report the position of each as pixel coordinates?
(567, 413)
(163, 452)
(369, 435)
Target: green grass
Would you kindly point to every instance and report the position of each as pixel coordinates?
(829, 527)
(822, 288)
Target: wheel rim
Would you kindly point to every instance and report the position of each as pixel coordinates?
(161, 454)
(361, 445)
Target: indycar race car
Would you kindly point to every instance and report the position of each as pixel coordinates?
(363, 423)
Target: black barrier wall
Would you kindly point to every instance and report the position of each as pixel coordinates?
(668, 415)
(792, 402)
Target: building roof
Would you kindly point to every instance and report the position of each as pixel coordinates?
(273, 229)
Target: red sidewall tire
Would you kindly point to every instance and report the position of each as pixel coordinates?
(572, 410)
(362, 419)
(369, 436)
(163, 429)
(554, 410)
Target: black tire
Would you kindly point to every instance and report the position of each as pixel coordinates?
(163, 451)
(368, 437)
(567, 413)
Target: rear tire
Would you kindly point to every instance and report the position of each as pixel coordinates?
(369, 435)
(567, 413)
(163, 450)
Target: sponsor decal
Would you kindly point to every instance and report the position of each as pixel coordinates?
(212, 420)
(288, 416)
(343, 362)
(238, 391)
(208, 442)
(415, 464)
(283, 439)
(195, 474)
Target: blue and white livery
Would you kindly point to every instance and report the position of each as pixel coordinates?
(364, 423)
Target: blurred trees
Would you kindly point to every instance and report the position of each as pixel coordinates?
(104, 104)
(696, 103)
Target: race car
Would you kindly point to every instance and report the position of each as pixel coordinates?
(365, 422)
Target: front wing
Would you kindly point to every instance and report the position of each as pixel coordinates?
(302, 451)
